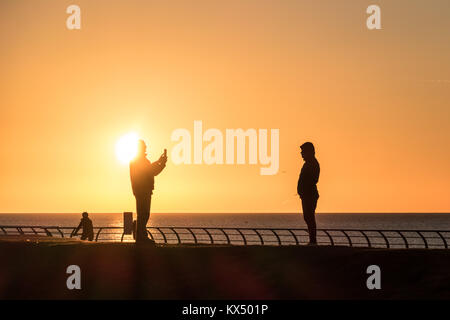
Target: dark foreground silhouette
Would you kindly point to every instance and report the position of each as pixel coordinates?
(126, 271)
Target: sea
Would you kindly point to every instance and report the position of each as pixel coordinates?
(378, 221)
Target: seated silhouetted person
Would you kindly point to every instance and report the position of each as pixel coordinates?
(307, 189)
(142, 175)
(86, 225)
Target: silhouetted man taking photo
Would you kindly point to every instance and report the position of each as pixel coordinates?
(307, 188)
(142, 174)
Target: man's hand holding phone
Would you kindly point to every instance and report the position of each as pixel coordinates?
(163, 157)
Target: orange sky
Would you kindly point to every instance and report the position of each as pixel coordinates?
(375, 103)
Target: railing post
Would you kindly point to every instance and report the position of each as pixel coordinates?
(384, 237)
(404, 238)
(178, 237)
(260, 237)
(295, 237)
(348, 238)
(62, 234)
(162, 233)
(193, 235)
(99, 230)
(48, 233)
(329, 236)
(367, 238)
(274, 231)
(226, 235)
(150, 234)
(209, 234)
(242, 235)
(443, 239)
(423, 238)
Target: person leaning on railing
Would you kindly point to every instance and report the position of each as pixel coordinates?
(86, 225)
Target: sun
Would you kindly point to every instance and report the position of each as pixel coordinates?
(126, 147)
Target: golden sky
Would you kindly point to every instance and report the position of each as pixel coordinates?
(375, 103)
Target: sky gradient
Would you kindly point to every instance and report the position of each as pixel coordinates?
(375, 103)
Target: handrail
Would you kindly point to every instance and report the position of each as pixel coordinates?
(255, 236)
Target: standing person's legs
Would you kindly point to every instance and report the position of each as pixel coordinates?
(143, 213)
(148, 201)
(309, 209)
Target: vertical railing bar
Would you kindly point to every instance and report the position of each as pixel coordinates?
(98, 232)
(150, 234)
(178, 237)
(295, 236)
(62, 234)
(209, 234)
(260, 237)
(19, 230)
(48, 233)
(404, 238)
(384, 237)
(4, 231)
(443, 239)
(162, 233)
(35, 232)
(226, 235)
(242, 235)
(367, 238)
(193, 234)
(348, 238)
(423, 238)
(276, 235)
(329, 236)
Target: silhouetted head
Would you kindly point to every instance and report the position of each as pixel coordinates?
(142, 148)
(308, 151)
(85, 214)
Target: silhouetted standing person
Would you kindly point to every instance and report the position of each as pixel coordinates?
(86, 225)
(142, 174)
(307, 188)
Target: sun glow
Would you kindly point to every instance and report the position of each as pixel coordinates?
(126, 147)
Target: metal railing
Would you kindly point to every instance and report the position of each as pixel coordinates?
(256, 236)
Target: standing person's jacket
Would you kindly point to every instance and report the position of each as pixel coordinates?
(307, 181)
(142, 173)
